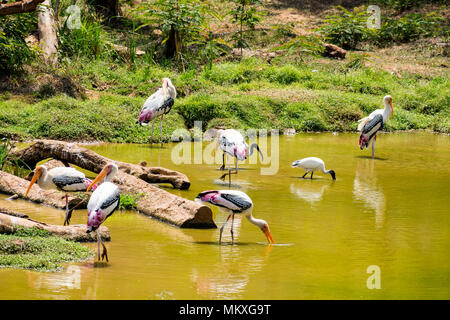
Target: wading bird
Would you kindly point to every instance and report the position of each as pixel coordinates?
(65, 179)
(370, 125)
(103, 202)
(232, 144)
(233, 202)
(158, 104)
(312, 164)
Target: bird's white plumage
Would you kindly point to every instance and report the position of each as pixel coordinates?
(310, 163)
(232, 142)
(100, 195)
(386, 112)
(46, 180)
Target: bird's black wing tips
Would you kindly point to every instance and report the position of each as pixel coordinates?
(237, 201)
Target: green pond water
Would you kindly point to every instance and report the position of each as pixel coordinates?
(391, 212)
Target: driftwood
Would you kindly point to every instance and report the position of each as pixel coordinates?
(8, 223)
(48, 40)
(18, 7)
(89, 160)
(334, 51)
(152, 200)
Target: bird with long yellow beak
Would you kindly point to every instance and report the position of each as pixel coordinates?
(370, 125)
(66, 179)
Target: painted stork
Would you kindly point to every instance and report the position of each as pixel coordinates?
(103, 202)
(233, 202)
(233, 145)
(312, 164)
(65, 179)
(370, 125)
(158, 104)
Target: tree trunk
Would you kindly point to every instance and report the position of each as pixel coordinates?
(8, 223)
(18, 7)
(89, 160)
(130, 178)
(48, 41)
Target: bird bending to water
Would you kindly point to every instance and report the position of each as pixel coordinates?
(103, 202)
(65, 179)
(370, 125)
(232, 143)
(234, 202)
(158, 104)
(312, 164)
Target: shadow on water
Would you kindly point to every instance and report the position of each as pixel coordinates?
(370, 157)
(228, 243)
(225, 184)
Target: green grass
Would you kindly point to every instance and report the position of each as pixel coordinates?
(37, 250)
(246, 94)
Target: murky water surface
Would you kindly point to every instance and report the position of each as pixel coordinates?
(391, 212)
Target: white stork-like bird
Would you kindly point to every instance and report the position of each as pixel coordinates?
(158, 104)
(65, 179)
(312, 164)
(370, 125)
(232, 143)
(234, 202)
(103, 202)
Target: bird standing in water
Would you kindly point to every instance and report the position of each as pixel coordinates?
(66, 179)
(103, 202)
(158, 104)
(312, 164)
(370, 125)
(232, 143)
(234, 202)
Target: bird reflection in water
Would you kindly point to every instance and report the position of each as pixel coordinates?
(367, 191)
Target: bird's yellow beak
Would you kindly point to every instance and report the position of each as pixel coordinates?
(392, 110)
(100, 176)
(37, 174)
(266, 231)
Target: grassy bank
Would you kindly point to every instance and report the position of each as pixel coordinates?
(36, 250)
(311, 96)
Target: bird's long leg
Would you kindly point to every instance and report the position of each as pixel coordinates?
(231, 231)
(104, 252)
(305, 174)
(98, 245)
(69, 214)
(223, 162)
(66, 219)
(221, 229)
(312, 172)
(373, 146)
(153, 127)
(229, 173)
(162, 116)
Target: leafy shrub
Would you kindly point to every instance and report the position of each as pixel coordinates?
(347, 29)
(128, 201)
(14, 52)
(408, 28)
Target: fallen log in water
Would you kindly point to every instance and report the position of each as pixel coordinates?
(89, 160)
(152, 200)
(9, 223)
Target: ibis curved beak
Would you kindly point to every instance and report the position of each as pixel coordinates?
(266, 231)
(36, 176)
(392, 110)
(100, 176)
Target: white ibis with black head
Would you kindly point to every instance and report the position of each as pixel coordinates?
(312, 164)
(102, 204)
(370, 125)
(158, 104)
(65, 179)
(234, 202)
(232, 143)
